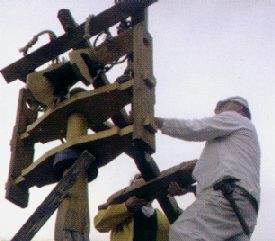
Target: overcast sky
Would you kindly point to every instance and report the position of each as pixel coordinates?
(204, 50)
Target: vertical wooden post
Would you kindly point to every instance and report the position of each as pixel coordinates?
(73, 214)
(143, 109)
(22, 152)
(144, 87)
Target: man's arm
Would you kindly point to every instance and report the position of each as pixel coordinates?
(109, 218)
(114, 215)
(201, 129)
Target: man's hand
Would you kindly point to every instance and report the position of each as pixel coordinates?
(175, 190)
(159, 122)
(133, 204)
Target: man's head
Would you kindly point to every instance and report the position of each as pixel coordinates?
(236, 103)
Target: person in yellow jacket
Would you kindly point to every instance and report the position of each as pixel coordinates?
(134, 220)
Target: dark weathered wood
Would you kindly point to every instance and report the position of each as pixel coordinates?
(74, 236)
(170, 207)
(150, 170)
(47, 208)
(157, 187)
(21, 68)
(22, 152)
(119, 119)
(69, 24)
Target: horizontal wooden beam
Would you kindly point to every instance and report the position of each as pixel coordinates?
(105, 146)
(21, 68)
(156, 187)
(97, 105)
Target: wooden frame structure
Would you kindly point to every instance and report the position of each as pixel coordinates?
(90, 109)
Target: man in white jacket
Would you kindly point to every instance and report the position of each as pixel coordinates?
(231, 152)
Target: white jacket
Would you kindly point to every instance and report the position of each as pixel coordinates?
(231, 149)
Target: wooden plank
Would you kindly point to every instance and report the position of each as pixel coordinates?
(22, 152)
(144, 89)
(21, 68)
(105, 146)
(157, 187)
(53, 200)
(97, 105)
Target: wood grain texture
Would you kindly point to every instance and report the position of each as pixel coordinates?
(105, 146)
(97, 105)
(144, 95)
(53, 200)
(21, 68)
(157, 187)
(22, 152)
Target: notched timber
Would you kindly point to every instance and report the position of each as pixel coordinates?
(21, 68)
(22, 152)
(105, 146)
(144, 95)
(96, 105)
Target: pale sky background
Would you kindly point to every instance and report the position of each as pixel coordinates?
(204, 50)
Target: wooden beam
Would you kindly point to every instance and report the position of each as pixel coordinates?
(97, 105)
(68, 24)
(157, 187)
(149, 169)
(144, 89)
(22, 152)
(21, 68)
(47, 208)
(105, 146)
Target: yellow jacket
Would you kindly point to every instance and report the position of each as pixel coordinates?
(118, 220)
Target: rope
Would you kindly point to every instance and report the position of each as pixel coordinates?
(108, 37)
(34, 40)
